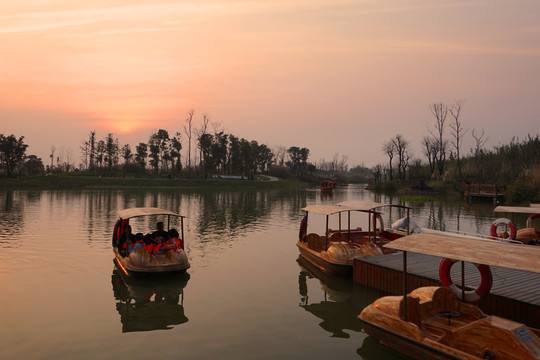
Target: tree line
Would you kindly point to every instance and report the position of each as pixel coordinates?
(209, 153)
(444, 159)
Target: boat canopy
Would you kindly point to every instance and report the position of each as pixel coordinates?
(144, 211)
(330, 209)
(326, 209)
(480, 251)
(533, 209)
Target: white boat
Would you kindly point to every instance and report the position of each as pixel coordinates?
(144, 261)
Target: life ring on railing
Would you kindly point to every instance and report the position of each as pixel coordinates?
(303, 228)
(378, 217)
(508, 222)
(531, 219)
(470, 295)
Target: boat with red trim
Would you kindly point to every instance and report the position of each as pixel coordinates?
(149, 254)
(334, 250)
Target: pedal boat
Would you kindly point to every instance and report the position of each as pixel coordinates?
(527, 235)
(334, 251)
(432, 323)
(141, 262)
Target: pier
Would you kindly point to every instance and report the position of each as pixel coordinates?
(515, 294)
(489, 191)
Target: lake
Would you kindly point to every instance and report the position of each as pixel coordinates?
(245, 296)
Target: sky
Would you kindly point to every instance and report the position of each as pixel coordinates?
(339, 77)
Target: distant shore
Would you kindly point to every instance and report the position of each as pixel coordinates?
(72, 181)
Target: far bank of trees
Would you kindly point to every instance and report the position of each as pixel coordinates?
(444, 159)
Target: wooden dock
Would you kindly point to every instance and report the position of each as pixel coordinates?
(484, 191)
(515, 294)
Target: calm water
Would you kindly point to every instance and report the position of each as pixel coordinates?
(245, 296)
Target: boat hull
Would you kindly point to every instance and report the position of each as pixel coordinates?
(141, 263)
(325, 265)
(407, 345)
(438, 326)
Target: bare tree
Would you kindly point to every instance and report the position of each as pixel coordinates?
(200, 133)
(430, 150)
(188, 130)
(85, 151)
(400, 146)
(53, 149)
(440, 111)
(279, 155)
(388, 149)
(69, 155)
(377, 173)
(480, 142)
(457, 129)
(217, 126)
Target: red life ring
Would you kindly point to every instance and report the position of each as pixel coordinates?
(303, 228)
(470, 295)
(508, 222)
(531, 219)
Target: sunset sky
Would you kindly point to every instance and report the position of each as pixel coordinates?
(335, 76)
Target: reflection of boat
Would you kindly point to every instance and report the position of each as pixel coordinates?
(432, 323)
(142, 261)
(149, 304)
(528, 235)
(334, 251)
(339, 308)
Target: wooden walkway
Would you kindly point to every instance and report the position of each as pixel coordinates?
(484, 191)
(515, 294)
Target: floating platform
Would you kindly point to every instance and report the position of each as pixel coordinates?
(515, 294)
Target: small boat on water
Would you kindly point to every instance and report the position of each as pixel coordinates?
(327, 186)
(159, 252)
(433, 323)
(333, 252)
(528, 235)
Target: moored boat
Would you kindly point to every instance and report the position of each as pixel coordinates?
(156, 253)
(527, 235)
(333, 252)
(432, 322)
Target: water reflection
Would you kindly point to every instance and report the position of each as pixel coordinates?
(149, 304)
(339, 308)
(11, 218)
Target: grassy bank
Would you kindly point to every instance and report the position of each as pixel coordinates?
(76, 181)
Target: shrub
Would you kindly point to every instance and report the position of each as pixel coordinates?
(519, 193)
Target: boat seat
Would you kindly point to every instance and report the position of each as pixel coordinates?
(427, 302)
(316, 242)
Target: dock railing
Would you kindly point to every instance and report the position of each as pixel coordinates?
(484, 190)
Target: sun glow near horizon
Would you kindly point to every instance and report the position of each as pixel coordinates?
(134, 66)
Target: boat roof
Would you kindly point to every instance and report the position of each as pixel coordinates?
(481, 251)
(533, 209)
(329, 209)
(144, 211)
